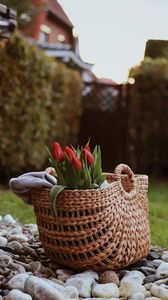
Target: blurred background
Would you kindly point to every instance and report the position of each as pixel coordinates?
(75, 70)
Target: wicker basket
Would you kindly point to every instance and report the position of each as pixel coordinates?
(98, 228)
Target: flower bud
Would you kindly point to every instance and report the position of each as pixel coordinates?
(87, 147)
(73, 158)
(69, 152)
(89, 156)
(57, 152)
(77, 163)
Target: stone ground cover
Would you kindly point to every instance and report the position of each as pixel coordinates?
(158, 204)
(27, 274)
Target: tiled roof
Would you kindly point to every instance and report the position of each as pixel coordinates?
(106, 81)
(58, 11)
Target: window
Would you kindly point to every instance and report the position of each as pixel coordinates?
(61, 38)
(44, 33)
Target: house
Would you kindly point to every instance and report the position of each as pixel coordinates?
(52, 31)
(7, 21)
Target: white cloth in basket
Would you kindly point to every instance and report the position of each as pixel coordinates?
(22, 185)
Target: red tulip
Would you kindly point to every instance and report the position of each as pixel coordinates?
(87, 147)
(57, 152)
(69, 152)
(73, 158)
(89, 156)
(77, 163)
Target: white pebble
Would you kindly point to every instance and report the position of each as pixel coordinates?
(19, 237)
(162, 270)
(3, 241)
(159, 291)
(8, 219)
(138, 296)
(83, 282)
(18, 281)
(41, 290)
(17, 295)
(16, 230)
(133, 276)
(152, 298)
(106, 290)
(127, 289)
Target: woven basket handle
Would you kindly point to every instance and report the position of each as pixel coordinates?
(122, 168)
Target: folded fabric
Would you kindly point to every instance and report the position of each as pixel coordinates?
(22, 185)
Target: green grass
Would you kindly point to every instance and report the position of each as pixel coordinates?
(158, 206)
(10, 204)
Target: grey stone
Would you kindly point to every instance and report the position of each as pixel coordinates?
(150, 278)
(32, 228)
(165, 256)
(5, 259)
(17, 295)
(19, 268)
(18, 281)
(41, 290)
(154, 254)
(156, 263)
(64, 274)
(35, 266)
(15, 245)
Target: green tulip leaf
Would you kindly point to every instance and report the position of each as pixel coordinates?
(97, 167)
(55, 191)
(99, 180)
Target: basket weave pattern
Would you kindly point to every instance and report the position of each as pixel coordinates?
(98, 229)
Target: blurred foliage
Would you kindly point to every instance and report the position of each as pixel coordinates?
(26, 11)
(148, 116)
(40, 101)
(156, 48)
(66, 93)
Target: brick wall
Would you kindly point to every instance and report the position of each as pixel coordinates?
(55, 25)
(34, 28)
(56, 29)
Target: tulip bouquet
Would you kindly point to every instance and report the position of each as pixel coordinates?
(75, 168)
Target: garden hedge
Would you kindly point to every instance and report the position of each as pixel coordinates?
(148, 116)
(156, 48)
(40, 101)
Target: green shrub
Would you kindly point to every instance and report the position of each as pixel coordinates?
(156, 48)
(39, 98)
(67, 88)
(148, 116)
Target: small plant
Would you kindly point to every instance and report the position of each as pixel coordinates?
(75, 169)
